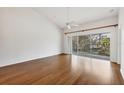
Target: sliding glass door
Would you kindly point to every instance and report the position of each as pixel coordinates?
(93, 45)
(74, 45)
(84, 45)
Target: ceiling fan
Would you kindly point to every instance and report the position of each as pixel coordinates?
(69, 24)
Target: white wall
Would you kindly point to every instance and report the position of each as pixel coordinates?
(121, 35)
(27, 35)
(102, 22)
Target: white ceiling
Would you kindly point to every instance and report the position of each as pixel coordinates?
(77, 14)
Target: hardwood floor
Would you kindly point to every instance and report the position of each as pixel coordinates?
(62, 69)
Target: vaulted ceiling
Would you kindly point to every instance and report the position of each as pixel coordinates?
(79, 15)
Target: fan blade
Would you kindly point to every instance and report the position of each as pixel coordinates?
(68, 26)
(72, 23)
(75, 25)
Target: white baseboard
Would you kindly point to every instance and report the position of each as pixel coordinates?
(122, 73)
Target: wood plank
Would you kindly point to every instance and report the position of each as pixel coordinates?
(62, 69)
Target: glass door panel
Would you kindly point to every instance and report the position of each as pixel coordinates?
(84, 45)
(74, 45)
(100, 44)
